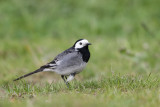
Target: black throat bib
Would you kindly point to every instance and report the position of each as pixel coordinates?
(85, 53)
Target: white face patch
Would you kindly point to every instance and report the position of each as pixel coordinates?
(81, 44)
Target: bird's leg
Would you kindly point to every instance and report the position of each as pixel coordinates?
(63, 77)
(71, 77)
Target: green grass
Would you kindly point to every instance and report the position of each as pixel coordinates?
(125, 55)
(116, 90)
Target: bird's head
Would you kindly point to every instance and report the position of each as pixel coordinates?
(81, 43)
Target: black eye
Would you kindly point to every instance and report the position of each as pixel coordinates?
(80, 43)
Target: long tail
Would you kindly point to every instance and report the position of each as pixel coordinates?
(36, 71)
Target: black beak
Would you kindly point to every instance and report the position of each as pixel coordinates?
(89, 44)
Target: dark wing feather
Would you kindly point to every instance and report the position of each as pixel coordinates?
(61, 55)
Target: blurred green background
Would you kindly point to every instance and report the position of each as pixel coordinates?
(125, 38)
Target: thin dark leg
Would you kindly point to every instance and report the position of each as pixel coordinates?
(65, 77)
(62, 76)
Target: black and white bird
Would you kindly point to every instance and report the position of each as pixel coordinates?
(68, 63)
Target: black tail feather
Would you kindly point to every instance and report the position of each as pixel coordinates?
(36, 71)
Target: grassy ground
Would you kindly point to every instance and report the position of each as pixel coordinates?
(125, 55)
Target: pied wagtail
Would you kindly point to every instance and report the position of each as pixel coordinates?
(68, 63)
